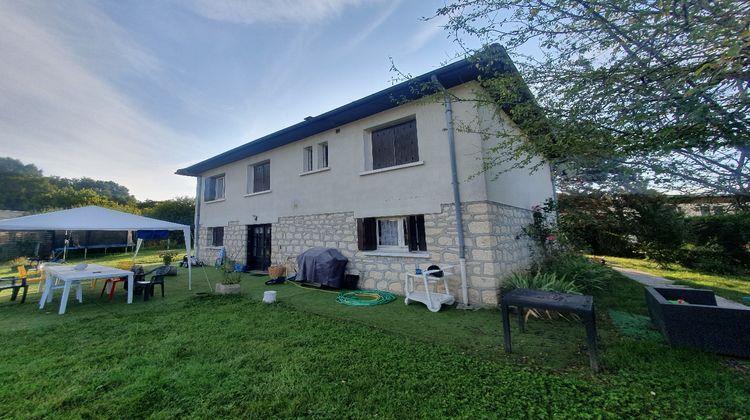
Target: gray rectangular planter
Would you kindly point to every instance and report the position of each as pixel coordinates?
(699, 323)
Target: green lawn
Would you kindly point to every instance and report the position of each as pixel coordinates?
(196, 355)
(733, 287)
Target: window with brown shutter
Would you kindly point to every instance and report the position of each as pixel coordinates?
(367, 234)
(415, 233)
(395, 145)
(378, 233)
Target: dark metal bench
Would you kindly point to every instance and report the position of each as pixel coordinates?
(580, 305)
(13, 284)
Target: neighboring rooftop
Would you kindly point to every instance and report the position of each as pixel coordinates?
(491, 61)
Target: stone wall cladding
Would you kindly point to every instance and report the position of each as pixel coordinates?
(235, 242)
(495, 247)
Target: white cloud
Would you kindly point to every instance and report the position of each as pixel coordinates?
(428, 30)
(57, 112)
(374, 25)
(269, 11)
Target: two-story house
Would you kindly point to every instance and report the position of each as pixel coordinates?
(380, 179)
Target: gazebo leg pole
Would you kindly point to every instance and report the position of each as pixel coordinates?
(186, 233)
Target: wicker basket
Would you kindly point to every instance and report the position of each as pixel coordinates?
(276, 271)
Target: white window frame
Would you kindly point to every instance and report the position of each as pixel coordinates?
(402, 246)
(323, 155)
(251, 178)
(218, 194)
(307, 159)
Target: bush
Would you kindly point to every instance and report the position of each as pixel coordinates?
(725, 236)
(541, 281)
(709, 259)
(167, 256)
(565, 272)
(623, 225)
(587, 275)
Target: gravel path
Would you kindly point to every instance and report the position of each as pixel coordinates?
(656, 281)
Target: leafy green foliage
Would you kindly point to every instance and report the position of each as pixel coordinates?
(178, 210)
(623, 224)
(26, 188)
(652, 227)
(543, 229)
(588, 276)
(729, 233)
(167, 256)
(106, 189)
(651, 88)
(541, 281)
(10, 166)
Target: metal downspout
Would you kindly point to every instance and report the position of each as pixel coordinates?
(196, 242)
(456, 193)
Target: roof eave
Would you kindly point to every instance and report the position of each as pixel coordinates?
(451, 75)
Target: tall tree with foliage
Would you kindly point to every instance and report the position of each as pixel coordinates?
(178, 210)
(654, 88)
(24, 187)
(14, 167)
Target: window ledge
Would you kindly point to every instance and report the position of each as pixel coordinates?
(404, 254)
(258, 193)
(392, 168)
(215, 201)
(327, 168)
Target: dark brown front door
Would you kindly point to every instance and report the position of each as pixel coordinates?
(258, 247)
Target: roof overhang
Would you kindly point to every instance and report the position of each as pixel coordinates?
(488, 63)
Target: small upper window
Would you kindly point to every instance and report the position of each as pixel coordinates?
(307, 159)
(217, 236)
(259, 177)
(323, 155)
(395, 145)
(214, 188)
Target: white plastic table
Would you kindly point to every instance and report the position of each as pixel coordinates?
(69, 276)
(433, 300)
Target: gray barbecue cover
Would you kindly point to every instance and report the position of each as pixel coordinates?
(322, 265)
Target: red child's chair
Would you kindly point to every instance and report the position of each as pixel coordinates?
(113, 285)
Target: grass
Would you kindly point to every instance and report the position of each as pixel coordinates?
(198, 356)
(733, 287)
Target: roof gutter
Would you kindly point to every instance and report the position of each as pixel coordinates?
(456, 192)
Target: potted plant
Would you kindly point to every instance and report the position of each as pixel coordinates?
(230, 279)
(167, 257)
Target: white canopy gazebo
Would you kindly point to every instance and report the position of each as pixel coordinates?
(96, 218)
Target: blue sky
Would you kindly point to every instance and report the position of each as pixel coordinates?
(131, 91)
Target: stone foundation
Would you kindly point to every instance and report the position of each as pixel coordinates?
(495, 247)
(235, 242)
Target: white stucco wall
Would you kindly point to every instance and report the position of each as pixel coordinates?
(519, 187)
(413, 190)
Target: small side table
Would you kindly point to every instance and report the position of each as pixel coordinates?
(580, 305)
